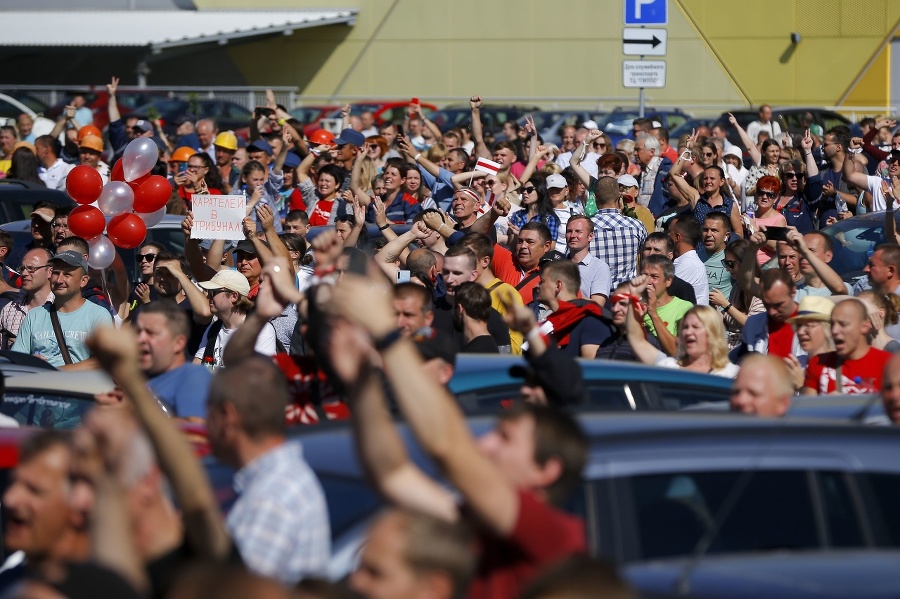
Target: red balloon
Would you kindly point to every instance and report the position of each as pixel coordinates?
(152, 195)
(126, 231)
(84, 184)
(86, 222)
(118, 171)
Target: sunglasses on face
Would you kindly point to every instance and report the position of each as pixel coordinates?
(146, 257)
(729, 263)
(599, 145)
(527, 189)
(767, 194)
(708, 154)
(214, 292)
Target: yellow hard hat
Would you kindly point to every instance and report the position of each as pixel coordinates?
(227, 140)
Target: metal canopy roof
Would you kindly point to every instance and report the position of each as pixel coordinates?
(155, 29)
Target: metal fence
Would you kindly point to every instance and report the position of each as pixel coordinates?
(252, 96)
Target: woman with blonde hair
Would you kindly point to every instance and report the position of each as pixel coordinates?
(701, 339)
(883, 311)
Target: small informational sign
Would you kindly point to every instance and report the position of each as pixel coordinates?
(218, 217)
(644, 42)
(643, 73)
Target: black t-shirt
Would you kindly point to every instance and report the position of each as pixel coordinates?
(682, 290)
(443, 322)
(483, 344)
(590, 331)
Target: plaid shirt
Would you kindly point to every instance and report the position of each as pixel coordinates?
(11, 318)
(280, 519)
(617, 239)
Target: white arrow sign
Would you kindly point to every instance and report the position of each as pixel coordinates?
(644, 42)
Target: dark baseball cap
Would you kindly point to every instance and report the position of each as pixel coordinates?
(894, 156)
(72, 258)
(350, 136)
(260, 145)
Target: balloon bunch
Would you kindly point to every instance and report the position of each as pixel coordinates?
(133, 200)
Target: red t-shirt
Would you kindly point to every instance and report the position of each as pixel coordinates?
(857, 376)
(542, 536)
(781, 338)
(527, 290)
(503, 266)
(321, 213)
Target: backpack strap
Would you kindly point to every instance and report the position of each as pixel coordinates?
(57, 330)
(211, 333)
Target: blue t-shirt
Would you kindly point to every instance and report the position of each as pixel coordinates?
(36, 334)
(183, 390)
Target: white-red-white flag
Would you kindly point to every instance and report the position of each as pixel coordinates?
(487, 166)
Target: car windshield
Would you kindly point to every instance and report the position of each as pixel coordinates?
(618, 123)
(855, 240)
(45, 409)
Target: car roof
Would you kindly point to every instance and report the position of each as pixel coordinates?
(87, 382)
(471, 370)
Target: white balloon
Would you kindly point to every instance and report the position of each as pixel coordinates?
(140, 157)
(152, 218)
(116, 198)
(102, 253)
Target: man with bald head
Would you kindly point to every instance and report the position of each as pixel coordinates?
(206, 133)
(763, 386)
(854, 366)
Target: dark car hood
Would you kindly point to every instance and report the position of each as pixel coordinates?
(863, 574)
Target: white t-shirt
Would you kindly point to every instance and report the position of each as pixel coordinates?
(878, 201)
(265, 343)
(690, 267)
(729, 371)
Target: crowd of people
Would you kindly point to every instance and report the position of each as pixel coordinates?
(371, 259)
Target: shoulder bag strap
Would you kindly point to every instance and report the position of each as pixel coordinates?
(60, 340)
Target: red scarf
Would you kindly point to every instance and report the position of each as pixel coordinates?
(567, 317)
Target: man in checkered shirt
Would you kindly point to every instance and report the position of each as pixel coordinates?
(35, 292)
(617, 238)
(279, 522)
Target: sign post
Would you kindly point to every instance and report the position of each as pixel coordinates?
(638, 41)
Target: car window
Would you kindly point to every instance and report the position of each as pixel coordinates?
(792, 119)
(674, 511)
(674, 120)
(235, 111)
(674, 397)
(618, 123)
(608, 395)
(839, 510)
(45, 410)
(856, 240)
(8, 110)
(831, 120)
(886, 517)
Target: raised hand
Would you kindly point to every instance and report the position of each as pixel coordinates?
(345, 111)
(266, 216)
(475, 102)
(733, 120)
(593, 135)
(270, 100)
(326, 248)
(187, 224)
(807, 142)
(112, 86)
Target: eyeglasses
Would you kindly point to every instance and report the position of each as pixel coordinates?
(146, 257)
(729, 263)
(34, 269)
(766, 194)
(214, 292)
(708, 154)
(528, 189)
(195, 167)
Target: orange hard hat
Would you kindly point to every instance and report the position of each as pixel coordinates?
(182, 154)
(88, 130)
(321, 136)
(91, 142)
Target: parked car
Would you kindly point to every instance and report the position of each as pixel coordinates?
(686, 128)
(550, 123)
(10, 109)
(57, 399)
(98, 102)
(17, 198)
(485, 384)
(787, 118)
(311, 115)
(492, 116)
(167, 232)
(617, 124)
(34, 103)
(382, 112)
(228, 115)
(657, 485)
(855, 239)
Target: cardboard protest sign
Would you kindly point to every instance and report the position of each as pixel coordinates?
(218, 217)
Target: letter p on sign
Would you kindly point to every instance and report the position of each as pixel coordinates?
(646, 12)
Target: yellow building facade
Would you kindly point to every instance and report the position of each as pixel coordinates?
(720, 54)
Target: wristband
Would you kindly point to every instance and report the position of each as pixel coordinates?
(384, 226)
(388, 340)
(417, 156)
(728, 307)
(686, 155)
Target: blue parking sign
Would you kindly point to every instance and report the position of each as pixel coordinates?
(646, 12)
